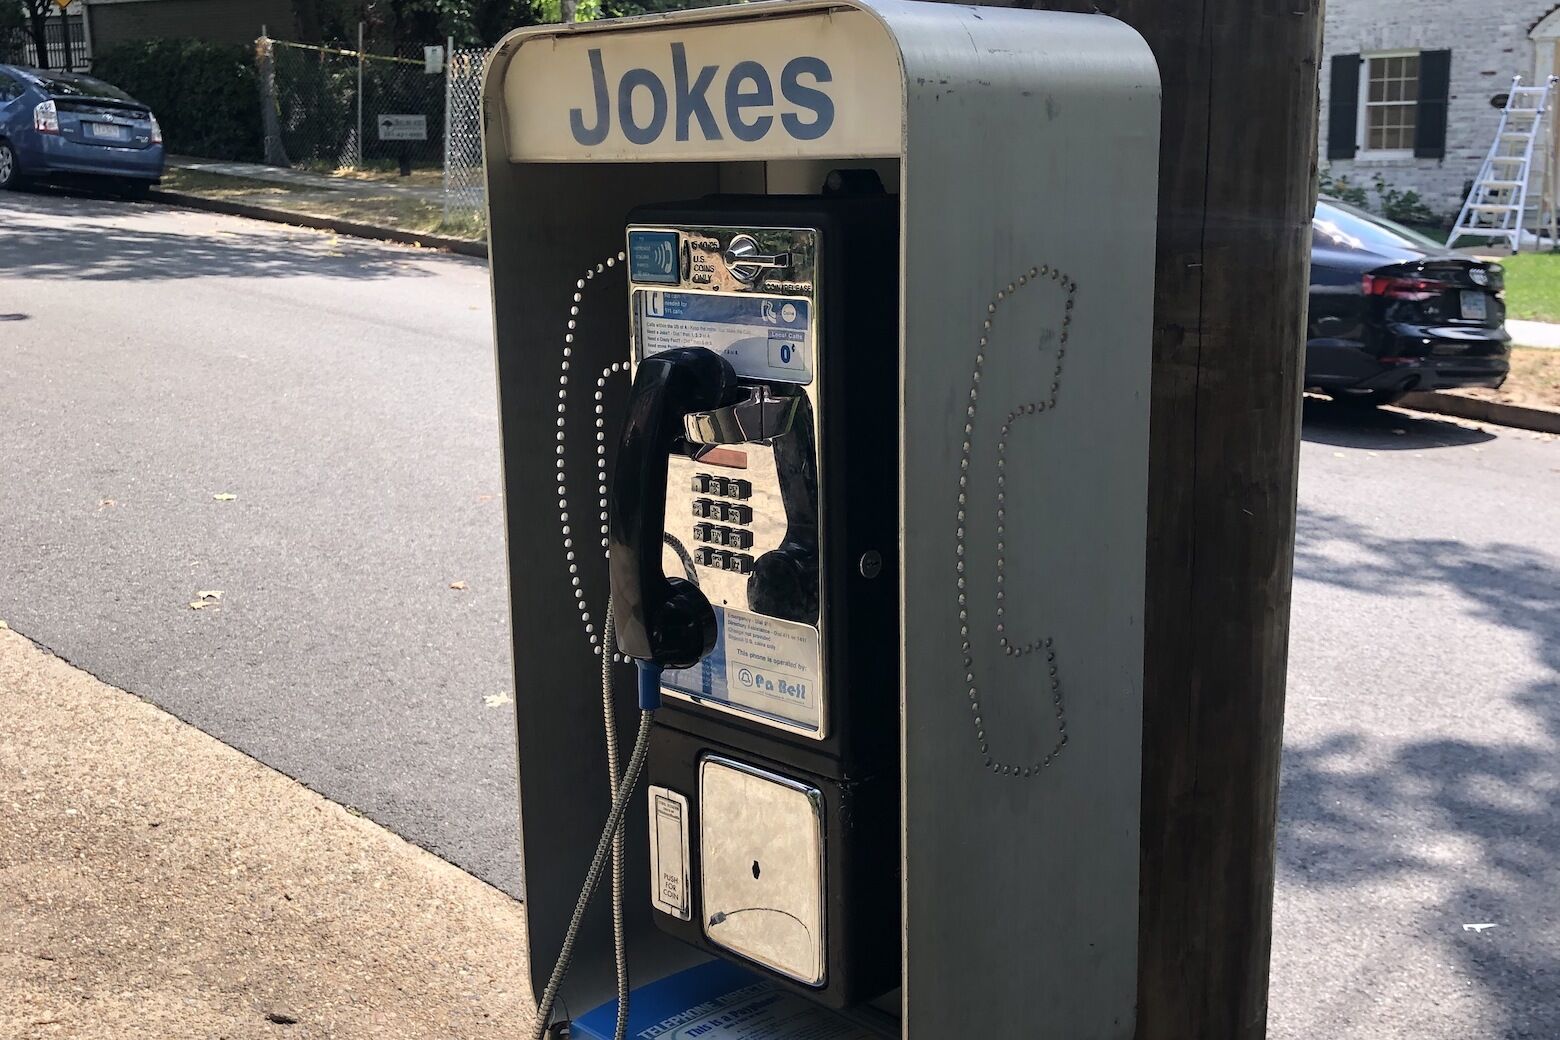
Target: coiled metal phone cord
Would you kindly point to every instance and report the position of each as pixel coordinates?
(611, 839)
(609, 718)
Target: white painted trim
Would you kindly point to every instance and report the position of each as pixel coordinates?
(1361, 152)
(1548, 27)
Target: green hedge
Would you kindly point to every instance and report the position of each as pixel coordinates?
(205, 95)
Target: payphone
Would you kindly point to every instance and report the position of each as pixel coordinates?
(753, 557)
(870, 451)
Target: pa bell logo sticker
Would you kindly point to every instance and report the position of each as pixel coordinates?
(749, 103)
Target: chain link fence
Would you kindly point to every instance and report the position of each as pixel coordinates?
(332, 108)
(464, 185)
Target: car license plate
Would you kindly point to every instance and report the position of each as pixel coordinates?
(107, 131)
(1475, 305)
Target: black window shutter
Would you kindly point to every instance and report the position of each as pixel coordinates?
(1343, 106)
(1435, 83)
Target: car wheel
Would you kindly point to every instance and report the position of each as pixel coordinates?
(135, 191)
(10, 175)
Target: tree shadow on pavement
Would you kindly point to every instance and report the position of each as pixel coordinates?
(1347, 806)
(1381, 429)
(109, 239)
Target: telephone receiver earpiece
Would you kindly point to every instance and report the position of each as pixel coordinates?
(664, 621)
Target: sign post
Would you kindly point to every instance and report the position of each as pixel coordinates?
(64, 35)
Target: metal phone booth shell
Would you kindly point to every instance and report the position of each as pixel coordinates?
(1023, 148)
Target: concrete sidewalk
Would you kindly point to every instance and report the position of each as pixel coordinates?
(155, 883)
(1534, 333)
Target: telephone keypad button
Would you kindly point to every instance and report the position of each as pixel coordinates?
(717, 559)
(742, 563)
(701, 555)
(716, 485)
(701, 507)
(718, 511)
(703, 532)
(739, 488)
(701, 483)
(738, 514)
(739, 538)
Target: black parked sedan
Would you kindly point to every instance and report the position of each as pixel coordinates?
(1393, 311)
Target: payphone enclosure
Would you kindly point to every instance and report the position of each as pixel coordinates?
(1017, 153)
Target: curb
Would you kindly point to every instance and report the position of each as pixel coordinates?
(1537, 419)
(462, 246)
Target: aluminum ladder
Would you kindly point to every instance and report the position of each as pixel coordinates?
(1498, 199)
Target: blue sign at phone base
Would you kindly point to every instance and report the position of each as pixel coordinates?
(716, 1001)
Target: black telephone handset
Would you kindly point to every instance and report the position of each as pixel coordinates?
(664, 621)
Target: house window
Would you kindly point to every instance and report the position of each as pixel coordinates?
(1389, 93)
(1388, 105)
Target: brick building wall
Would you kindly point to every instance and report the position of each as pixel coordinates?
(219, 21)
(1489, 43)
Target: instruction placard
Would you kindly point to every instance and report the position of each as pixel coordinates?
(761, 665)
(764, 337)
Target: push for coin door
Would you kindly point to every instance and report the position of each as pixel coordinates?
(825, 435)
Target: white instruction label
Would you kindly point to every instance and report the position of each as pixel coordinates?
(669, 852)
(762, 666)
(764, 337)
(773, 666)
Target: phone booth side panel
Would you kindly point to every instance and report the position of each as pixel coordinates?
(1027, 317)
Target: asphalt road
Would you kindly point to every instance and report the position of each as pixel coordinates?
(151, 360)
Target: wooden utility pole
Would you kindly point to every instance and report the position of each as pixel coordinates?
(1237, 183)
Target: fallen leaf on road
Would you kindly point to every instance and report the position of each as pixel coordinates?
(497, 700)
(224, 496)
(1477, 927)
(206, 598)
(457, 585)
(106, 503)
(209, 594)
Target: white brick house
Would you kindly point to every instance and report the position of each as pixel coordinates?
(1407, 87)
